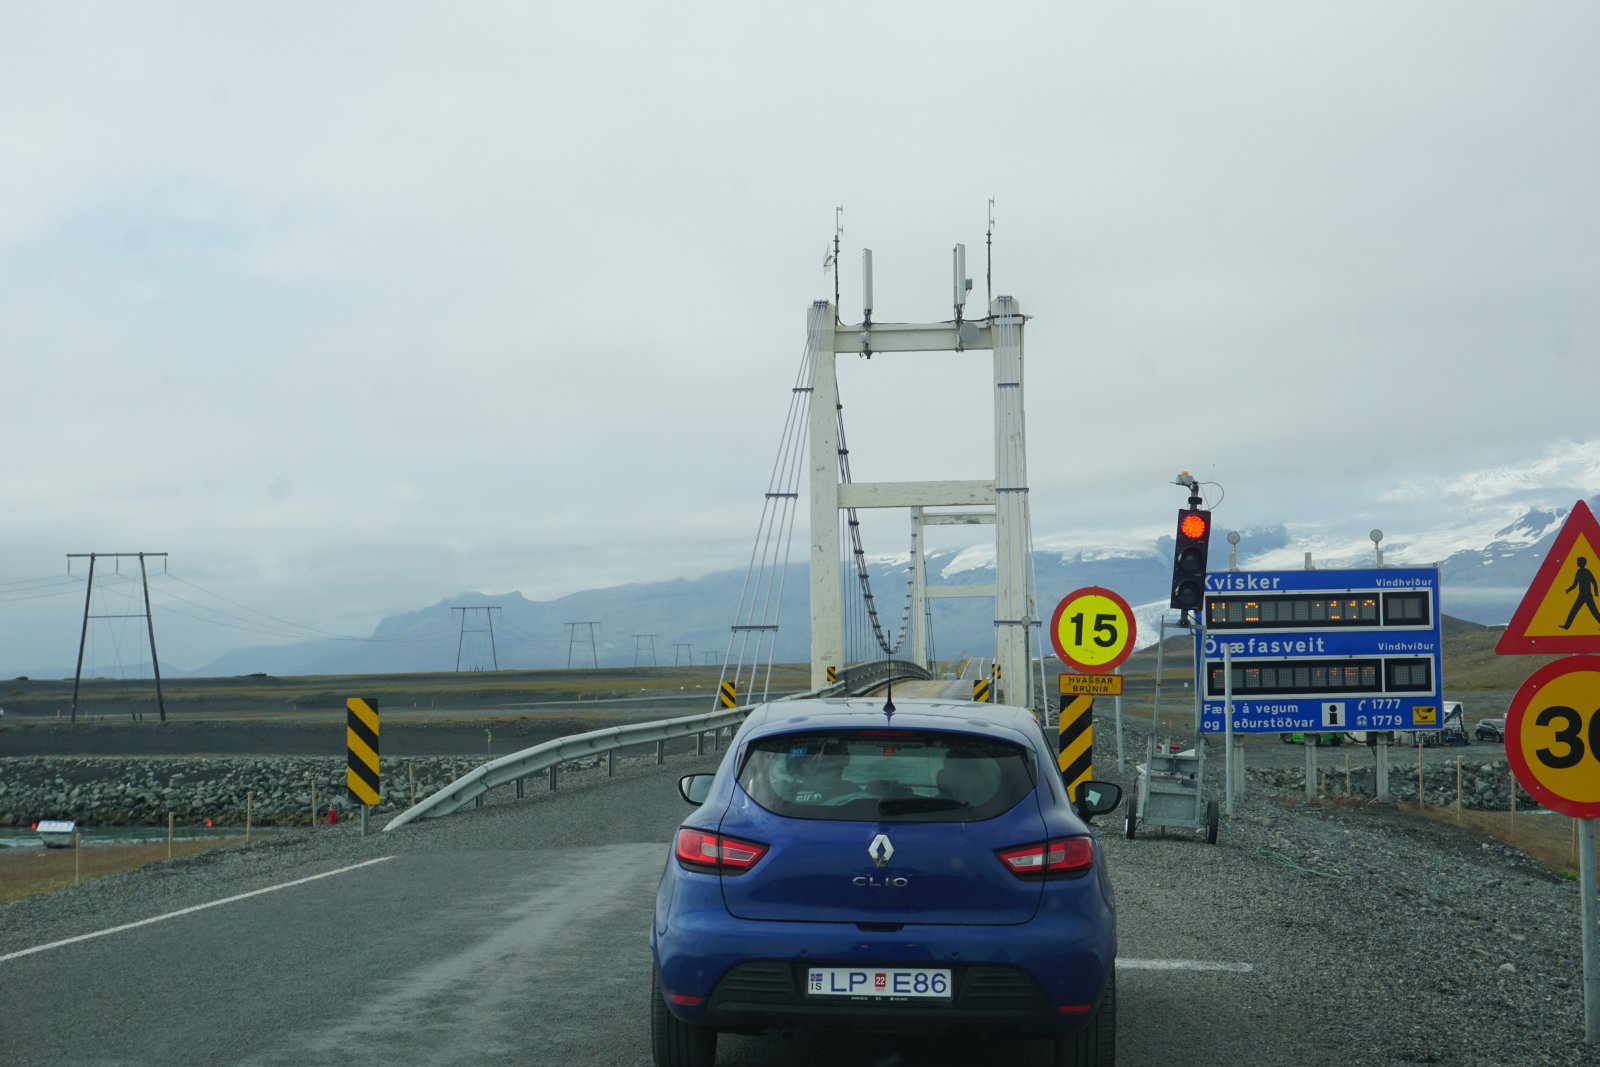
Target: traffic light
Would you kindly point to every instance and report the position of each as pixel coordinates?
(1189, 559)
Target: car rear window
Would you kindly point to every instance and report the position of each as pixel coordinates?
(886, 775)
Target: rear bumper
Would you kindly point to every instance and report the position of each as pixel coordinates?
(761, 995)
(751, 975)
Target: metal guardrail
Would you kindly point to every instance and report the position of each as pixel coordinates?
(547, 757)
(863, 675)
(515, 768)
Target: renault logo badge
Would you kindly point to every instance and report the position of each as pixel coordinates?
(881, 850)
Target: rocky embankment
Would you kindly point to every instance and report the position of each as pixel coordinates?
(135, 791)
(101, 791)
(1485, 784)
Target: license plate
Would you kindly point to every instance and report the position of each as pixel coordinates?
(894, 983)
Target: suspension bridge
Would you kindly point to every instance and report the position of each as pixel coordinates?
(853, 647)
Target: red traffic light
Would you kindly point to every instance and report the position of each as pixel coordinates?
(1189, 559)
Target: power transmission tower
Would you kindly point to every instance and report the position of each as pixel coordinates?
(488, 613)
(679, 655)
(637, 638)
(83, 636)
(572, 633)
(711, 658)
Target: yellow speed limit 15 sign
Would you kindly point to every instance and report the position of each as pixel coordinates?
(1553, 736)
(1093, 630)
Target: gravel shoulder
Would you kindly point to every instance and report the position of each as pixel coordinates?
(1375, 935)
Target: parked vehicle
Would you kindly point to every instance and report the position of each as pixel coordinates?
(1490, 730)
(848, 868)
(1318, 739)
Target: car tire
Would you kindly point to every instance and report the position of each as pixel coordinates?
(1213, 817)
(1096, 1044)
(673, 1042)
(1130, 817)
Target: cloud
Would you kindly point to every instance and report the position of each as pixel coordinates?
(360, 307)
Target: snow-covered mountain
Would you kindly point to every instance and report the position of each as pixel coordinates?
(1483, 574)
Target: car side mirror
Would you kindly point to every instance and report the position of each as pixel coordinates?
(1097, 798)
(695, 787)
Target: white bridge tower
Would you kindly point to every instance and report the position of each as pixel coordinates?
(1002, 500)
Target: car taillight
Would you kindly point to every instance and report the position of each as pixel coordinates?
(1061, 855)
(701, 851)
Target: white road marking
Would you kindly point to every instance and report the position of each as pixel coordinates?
(186, 911)
(1175, 965)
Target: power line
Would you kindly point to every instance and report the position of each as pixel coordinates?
(64, 591)
(43, 581)
(287, 628)
(310, 630)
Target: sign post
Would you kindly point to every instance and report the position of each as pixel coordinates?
(1092, 631)
(1552, 734)
(1227, 728)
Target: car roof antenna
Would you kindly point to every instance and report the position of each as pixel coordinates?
(888, 702)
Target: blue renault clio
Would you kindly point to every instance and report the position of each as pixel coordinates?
(903, 870)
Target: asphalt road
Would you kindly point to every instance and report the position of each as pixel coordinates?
(517, 934)
(446, 952)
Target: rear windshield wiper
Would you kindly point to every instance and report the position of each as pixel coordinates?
(907, 805)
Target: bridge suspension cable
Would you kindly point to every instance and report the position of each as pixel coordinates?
(868, 603)
(753, 638)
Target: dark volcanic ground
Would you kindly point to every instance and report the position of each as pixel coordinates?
(399, 736)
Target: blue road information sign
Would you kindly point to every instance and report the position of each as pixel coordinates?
(1329, 650)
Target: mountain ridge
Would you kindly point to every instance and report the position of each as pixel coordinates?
(691, 617)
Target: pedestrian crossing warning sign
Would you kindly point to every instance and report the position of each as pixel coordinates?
(1560, 613)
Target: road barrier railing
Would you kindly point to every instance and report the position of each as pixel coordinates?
(516, 768)
(865, 675)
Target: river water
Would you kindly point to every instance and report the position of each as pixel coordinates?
(23, 837)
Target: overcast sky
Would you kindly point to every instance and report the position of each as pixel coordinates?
(355, 307)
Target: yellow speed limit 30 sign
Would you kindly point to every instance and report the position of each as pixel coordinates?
(1553, 736)
(1093, 630)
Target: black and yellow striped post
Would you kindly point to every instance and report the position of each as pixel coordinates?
(361, 775)
(1075, 754)
(981, 691)
(833, 674)
(729, 700)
